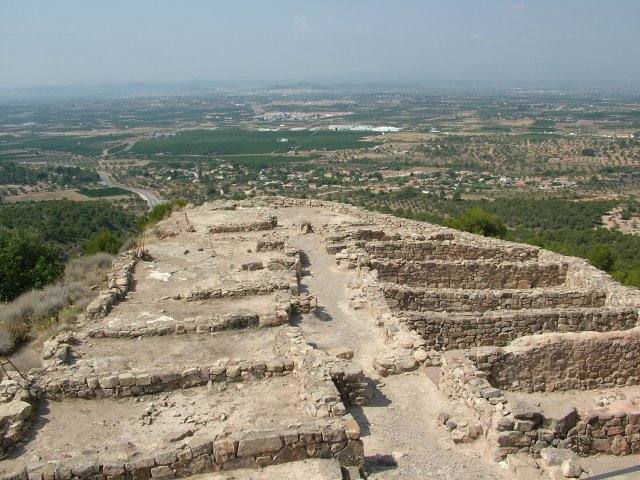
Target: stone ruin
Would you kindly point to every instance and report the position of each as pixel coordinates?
(198, 350)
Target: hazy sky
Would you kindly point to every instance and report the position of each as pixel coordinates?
(55, 42)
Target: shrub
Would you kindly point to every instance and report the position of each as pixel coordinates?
(104, 241)
(26, 262)
(160, 212)
(476, 220)
(602, 256)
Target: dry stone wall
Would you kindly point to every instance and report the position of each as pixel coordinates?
(269, 245)
(518, 426)
(87, 381)
(335, 434)
(328, 383)
(266, 224)
(470, 274)
(403, 297)
(239, 449)
(231, 321)
(118, 284)
(446, 250)
(606, 431)
(248, 289)
(565, 362)
(17, 412)
(466, 330)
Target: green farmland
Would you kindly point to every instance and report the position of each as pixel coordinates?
(242, 142)
(90, 146)
(103, 192)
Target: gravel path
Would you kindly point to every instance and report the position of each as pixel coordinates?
(335, 324)
(401, 438)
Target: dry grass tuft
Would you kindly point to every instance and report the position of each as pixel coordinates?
(54, 307)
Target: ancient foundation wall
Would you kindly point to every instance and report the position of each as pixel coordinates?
(232, 321)
(513, 427)
(610, 430)
(578, 274)
(455, 300)
(16, 413)
(239, 449)
(466, 330)
(68, 381)
(258, 225)
(444, 250)
(269, 245)
(328, 383)
(582, 275)
(118, 285)
(566, 362)
(470, 274)
(248, 289)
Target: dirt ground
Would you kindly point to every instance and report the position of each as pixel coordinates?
(614, 220)
(114, 429)
(553, 403)
(140, 310)
(312, 469)
(183, 350)
(605, 467)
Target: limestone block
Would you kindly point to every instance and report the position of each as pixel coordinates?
(162, 472)
(253, 444)
(15, 411)
(224, 449)
(552, 456)
(571, 469)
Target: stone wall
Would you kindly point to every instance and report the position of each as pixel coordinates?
(168, 326)
(365, 234)
(608, 430)
(463, 381)
(118, 284)
(269, 245)
(564, 362)
(266, 224)
(16, 412)
(328, 383)
(86, 381)
(509, 428)
(464, 330)
(443, 250)
(518, 426)
(579, 272)
(456, 300)
(240, 449)
(470, 274)
(244, 290)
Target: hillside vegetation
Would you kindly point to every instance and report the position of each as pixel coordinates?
(65, 222)
(561, 225)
